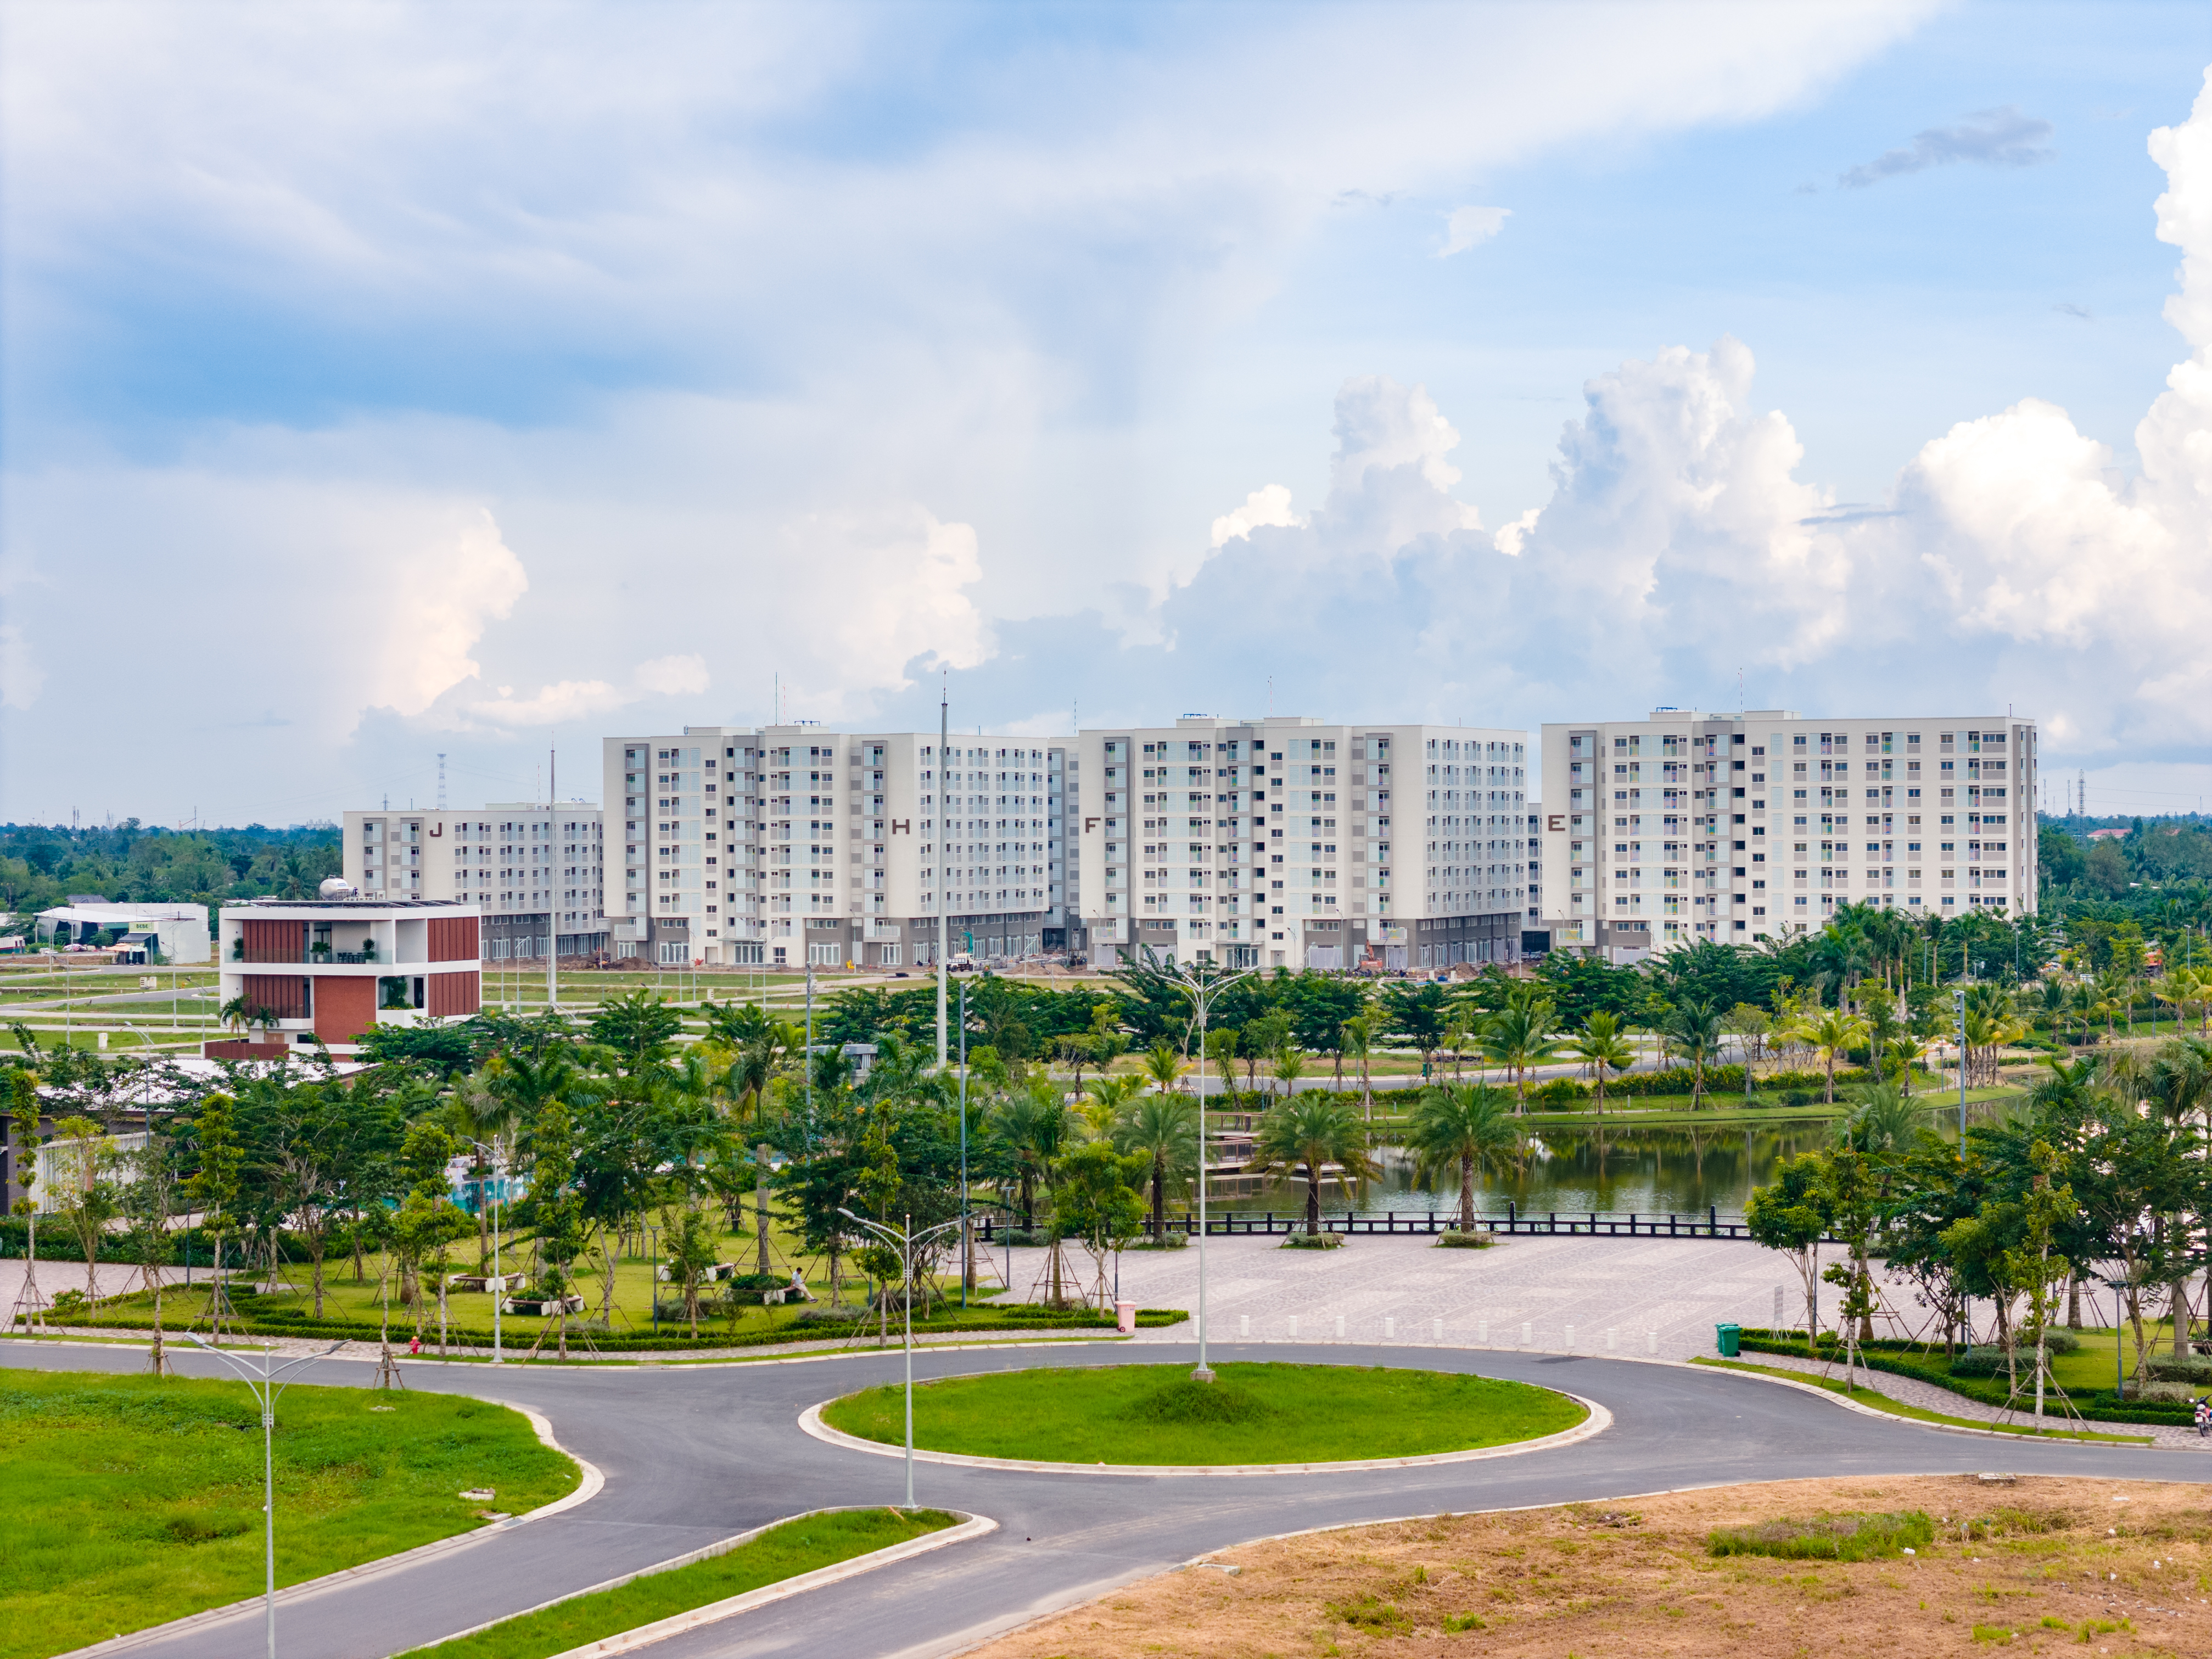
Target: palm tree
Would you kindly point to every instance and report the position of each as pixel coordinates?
(1290, 1067)
(237, 1014)
(1692, 1031)
(1466, 1126)
(1832, 1036)
(1517, 1036)
(1163, 1128)
(1599, 1045)
(1306, 1133)
(1358, 1045)
(1164, 1066)
(1109, 1099)
(1885, 1123)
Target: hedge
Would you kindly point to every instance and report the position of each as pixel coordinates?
(57, 1243)
(1902, 1358)
(1676, 1080)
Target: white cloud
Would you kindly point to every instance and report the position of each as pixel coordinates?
(673, 676)
(1466, 226)
(447, 589)
(1268, 505)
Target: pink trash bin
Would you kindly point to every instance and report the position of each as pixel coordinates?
(1125, 1317)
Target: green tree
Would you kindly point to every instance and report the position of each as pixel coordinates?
(1600, 1046)
(1162, 1128)
(84, 1189)
(212, 1188)
(1692, 1031)
(1518, 1037)
(1305, 1133)
(1095, 1205)
(1463, 1128)
(1791, 1214)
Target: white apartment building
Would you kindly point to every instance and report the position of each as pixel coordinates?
(534, 872)
(788, 845)
(1287, 843)
(1740, 827)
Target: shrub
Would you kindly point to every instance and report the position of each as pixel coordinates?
(1480, 1239)
(1827, 1537)
(2193, 1370)
(1166, 1241)
(839, 1314)
(1312, 1242)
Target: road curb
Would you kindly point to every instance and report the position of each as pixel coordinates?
(586, 1488)
(1597, 1422)
(2115, 1444)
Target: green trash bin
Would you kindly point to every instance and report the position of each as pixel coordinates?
(1727, 1337)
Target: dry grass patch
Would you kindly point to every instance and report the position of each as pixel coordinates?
(2083, 1567)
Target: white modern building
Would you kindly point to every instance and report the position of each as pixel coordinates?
(331, 969)
(1283, 842)
(789, 844)
(1740, 827)
(534, 871)
(178, 931)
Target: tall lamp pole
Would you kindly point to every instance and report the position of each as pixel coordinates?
(903, 1239)
(498, 1352)
(967, 1244)
(943, 737)
(263, 1384)
(1201, 990)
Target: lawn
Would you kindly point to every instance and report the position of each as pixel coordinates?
(133, 1500)
(781, 1552)
(1881, 1402)
(1256, 1414)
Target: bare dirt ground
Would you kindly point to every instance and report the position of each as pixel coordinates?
(2093, 1567)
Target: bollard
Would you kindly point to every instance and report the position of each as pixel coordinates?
(1389, 1327)
(1612, 1342)
(1294, 1327)
(1439, 1325)
(1243, 1324)
(1527, 1332)
(1482, 1332)
(1570, 1339)
(1651, 1342)
(1339, 1327)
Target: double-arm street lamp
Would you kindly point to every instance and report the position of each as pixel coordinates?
(1202, 988)
(903, 1240)
(266, 1388)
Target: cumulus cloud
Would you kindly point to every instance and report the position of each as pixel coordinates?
(1465, 226)
(1268, 505)
(448, 589)
(1992, 137)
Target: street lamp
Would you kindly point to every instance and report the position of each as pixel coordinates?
(905, 1239)
(1202, 991)
(264, 1388)
(498, 1353)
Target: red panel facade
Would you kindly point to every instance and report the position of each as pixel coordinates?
(274, 941)
(453, 938)
(453, 995)
(284, 995)
(345, 1006)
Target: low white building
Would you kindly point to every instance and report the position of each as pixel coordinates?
(180, 931)
(304, 970)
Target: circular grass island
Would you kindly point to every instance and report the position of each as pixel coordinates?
(1253, 1413)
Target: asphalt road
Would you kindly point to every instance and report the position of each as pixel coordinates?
(692, 1454)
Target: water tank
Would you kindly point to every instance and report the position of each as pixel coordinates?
(337, 887)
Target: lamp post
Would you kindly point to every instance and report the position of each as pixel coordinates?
(1202, 990)
(967, 1247)
(904, 1238)
(498, 1353)
(264, 1388)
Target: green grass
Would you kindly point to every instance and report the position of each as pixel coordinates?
(1882, 1402)
(1256, 1414)
(132, 1500)
(781, 1552)
(1851, 1537)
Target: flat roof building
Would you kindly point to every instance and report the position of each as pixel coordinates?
(299, 971)
(534, 871)
(1742, 827)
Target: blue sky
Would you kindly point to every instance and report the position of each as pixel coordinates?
(403, 379)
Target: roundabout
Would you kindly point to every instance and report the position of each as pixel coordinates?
(1256, 1418)
(695, 1453)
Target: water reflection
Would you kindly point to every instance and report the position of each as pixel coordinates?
(1651, 1171)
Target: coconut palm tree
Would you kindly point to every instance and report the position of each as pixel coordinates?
(1831, 1035)
(1164, 1066)
(1304, 1133)
(1601, 1046)
(1109, 1099)
(1358, 1046)
(1518, 1036)
(1163, 1128)
(1885, 1123)
(1463, 1128)
(1692, 1032)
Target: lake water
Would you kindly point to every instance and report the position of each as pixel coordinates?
(1648, 1171)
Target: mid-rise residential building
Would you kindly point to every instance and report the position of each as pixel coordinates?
(1286, 843)
(1740, 827)
(534, 872)
(789, 844)
(294, 971)
(1535, 941)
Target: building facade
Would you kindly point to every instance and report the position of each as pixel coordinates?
(788, 845)
(1740, 827)
(1286, 843)
(301, 971)
(534, 872)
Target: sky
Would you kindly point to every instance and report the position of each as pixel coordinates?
(384, 381)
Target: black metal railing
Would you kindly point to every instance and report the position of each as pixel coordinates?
(1589, 1223)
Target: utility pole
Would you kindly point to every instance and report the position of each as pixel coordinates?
(944, 736)
(1202, 991)
(552, 915)
(967, 1234)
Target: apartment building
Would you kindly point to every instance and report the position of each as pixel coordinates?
(1287, 843)
(534, 872)
(788, 845)
(1743, 826)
